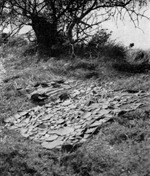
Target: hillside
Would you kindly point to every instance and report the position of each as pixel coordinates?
(77, 117)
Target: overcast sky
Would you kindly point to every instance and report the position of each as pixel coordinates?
(126, 33)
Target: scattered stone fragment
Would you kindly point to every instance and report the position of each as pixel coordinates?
(74, 120)
(60, 121)
(66, 103)
(24, 132)
(86, 115)
(54, 144)
(46, 117)
(52, 137)
(91, 130)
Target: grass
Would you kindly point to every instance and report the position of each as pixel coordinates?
(121, 148)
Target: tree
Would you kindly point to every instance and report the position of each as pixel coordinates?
(72, 19)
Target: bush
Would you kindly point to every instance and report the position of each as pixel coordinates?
(136, 61)
(115, 52)
(98, 42)
(16, 42)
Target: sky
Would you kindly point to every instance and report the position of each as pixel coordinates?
(126, 33)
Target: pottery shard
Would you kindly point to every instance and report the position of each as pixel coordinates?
(86, 115)
(66, 103)
(52, 137)
(51, 145)
(62, 131)
(47, 117)
(60, 121)
(24, 133)
(10, 119)
(91, 130)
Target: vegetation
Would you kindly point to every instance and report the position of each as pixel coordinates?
(120, 148)
(60, 22)
(62, 28)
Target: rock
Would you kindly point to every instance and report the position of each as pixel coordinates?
(24, 133)
(60, 121)
(41, 126)
(62, 131)
(54, 144)
(96, 123)
(9, 120)
(47, 117)
(75, 93)
(103, 112)
(52, 137)
(95, 106)
(91, 130)
(66, 103)
(86, 115)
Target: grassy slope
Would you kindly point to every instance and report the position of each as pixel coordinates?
(120, 149)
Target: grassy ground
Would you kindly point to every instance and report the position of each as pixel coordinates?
(122, 147)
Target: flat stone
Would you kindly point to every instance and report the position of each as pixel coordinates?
(10, 119)
(47, 117)
(60, 121)
(54, 144)
(103, 112)
(17, 116)
(27, 120)
(23, 113)
(96, 123)
(77, 127)
(52, 137)
(86, 115)
(95, 106)
(90, 130)
(24, 133)
(19, 125)
(41, 125)
(62, 131)
(66, 103)
(85, 137)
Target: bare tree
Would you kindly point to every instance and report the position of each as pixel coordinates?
(75, 19)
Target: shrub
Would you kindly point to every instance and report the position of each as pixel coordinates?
(136, 61)
(16, 42)
(98, 42)
(115, 52)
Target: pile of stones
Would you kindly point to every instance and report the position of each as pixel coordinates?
(74, 113)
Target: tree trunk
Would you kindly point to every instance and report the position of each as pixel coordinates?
(45, 32)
